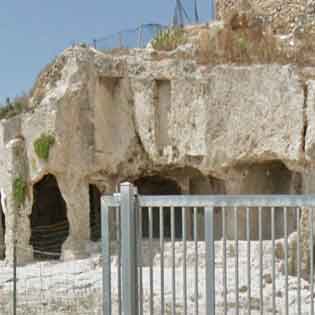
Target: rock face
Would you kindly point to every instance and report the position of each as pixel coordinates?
(284, 15)
(223, 129)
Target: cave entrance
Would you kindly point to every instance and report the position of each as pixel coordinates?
(95, 213)
(49, 224)
(266, 179)
(157, 185)
(2, 231)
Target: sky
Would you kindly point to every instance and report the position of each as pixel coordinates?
(33, 32)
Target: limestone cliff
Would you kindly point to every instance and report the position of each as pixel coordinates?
(116, 117)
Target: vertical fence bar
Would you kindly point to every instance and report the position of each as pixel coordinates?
(184, 229)
(140, 263)
(151, 260)
(173, 261)
(129, 250)
(107, 299)
(41, 287)
(196, 261)
(286, 246)
(224, 262)
(248, 259)
(261, 293)
(298, 254)
(311, 219)
(212, 10)
(14, 278)
(140, 35)
(236, 261)
(210, 261)
(120, 40)
(162, 258)
(273, 236)
(119, 259)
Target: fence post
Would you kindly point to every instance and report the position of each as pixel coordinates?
(14, 278)
(140, 30)
(120, 40)
(210, 261)
(213, 14)
(106, 277)
(129, 249)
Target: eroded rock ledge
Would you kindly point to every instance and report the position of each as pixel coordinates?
(159, 123)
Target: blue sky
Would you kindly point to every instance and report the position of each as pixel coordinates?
(32, 32)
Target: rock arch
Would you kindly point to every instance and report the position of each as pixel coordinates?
(181, 181)
(266, 178)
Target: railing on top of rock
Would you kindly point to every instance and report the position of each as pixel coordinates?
(137, 37)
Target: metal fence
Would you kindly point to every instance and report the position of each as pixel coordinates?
(49, 286)
(137, 37)
(185, 12)
(172, 268)
(178, 255)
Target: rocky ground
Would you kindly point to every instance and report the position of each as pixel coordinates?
(74, 287)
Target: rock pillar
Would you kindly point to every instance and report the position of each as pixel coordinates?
(18, 204)
(76, 196)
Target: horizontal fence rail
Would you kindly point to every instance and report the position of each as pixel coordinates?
(218, 200)
(207, 254)
(137, 37)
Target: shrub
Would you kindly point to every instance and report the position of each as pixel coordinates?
(169, 39)
(15, 107)
(241, 40)
(42, 146)
(19, 191)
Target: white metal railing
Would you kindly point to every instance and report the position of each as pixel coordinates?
(123, 213)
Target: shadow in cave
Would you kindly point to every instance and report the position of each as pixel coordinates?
(158, 185)
(2, 231)
(49, 224)
(95, 213)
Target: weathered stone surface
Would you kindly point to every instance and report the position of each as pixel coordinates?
(284, 15)
(118, 118)
(310, 126)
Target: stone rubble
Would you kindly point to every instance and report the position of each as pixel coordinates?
(54, 287)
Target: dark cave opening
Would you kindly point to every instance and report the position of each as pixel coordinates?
(95, 213)
(2, 231)
(270, 178)
(49, 223)
(158, 185)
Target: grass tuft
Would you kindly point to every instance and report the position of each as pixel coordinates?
(19, 191)
(42, 146)
(169, 39)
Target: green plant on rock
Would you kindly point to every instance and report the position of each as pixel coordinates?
(13, 108)
(243, 43)
(169, 39)
(19, 191)
(42, 146)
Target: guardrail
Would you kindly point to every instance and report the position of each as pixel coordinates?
(192, 273)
